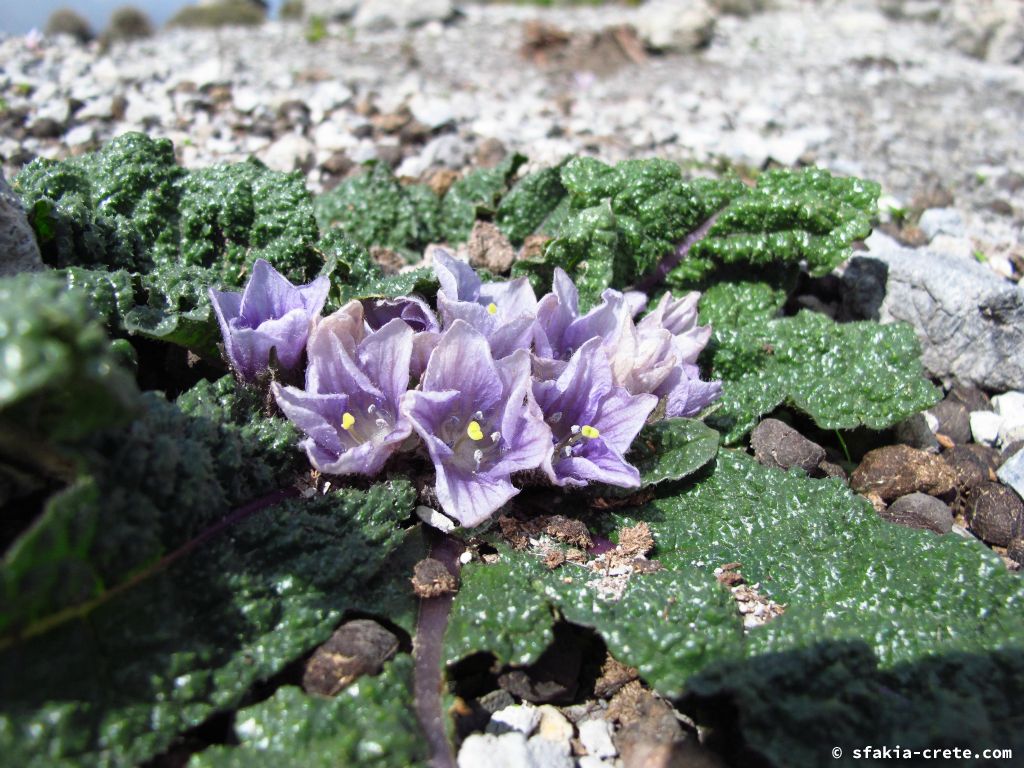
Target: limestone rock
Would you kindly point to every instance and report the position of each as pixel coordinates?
(667, 25)
(19, 251)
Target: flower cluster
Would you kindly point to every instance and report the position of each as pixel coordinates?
(496, 382)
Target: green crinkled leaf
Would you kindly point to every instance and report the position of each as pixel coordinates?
(672, 449)
(370, 723)
(529, 205)
(112, 293)
(59, 377)
(117, 686)
(508, 609)
(475, 193)
(176, 232)
(374, 208)
(842, 375)
(355, 275)
(147, 488)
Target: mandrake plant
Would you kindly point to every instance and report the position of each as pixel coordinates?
(178, 537)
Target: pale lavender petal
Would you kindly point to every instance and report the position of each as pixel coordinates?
(600, 464)
(565, 289)
(384, 356)
(462, 361)
(458, 280)
(687, 396)
(513, 335)
(622, 416)
(316, 415)
(427, 411)
(512, 298)
(636, 302)
(470, 312)
(268, 294)
(314, 295)
(332, 369)
(423, 345)
(471, 498)
(605, 321)
(249, 349)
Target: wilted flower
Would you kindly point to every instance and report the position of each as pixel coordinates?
(350, 408)
(270, 314)
(503, 311)
(592, 421)
(479, 421)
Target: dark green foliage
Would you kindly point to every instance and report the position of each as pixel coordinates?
(369, 724)
(65, 21)
(117, 686)
(529, 205)
(672, 449)
(129, 206)
(355, 275)
(842, 375)
(375, 209)
(59, 378)
(476, 195)
(146, 489)
(228, 13)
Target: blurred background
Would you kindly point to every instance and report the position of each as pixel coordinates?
(18, 18)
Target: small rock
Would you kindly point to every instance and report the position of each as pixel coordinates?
(831, 469)
(1015, 550)
(898, 470)
(432, 579)
(553, 678)
(596, 738)
(666, 25)
(1011, 430)
(985, 426)
(338, 164)
(973, 398)
(917, 432)
(996, 513)
(971, 469)
(948, 221)
(1011, 472)
(496, 700)
(19, 251)
(519, 717)
(489, 153)
(919, 510)
(386, 14)
(778, 445)
(1009, 404)
(553, 724)
(489, 751)
(291, 152)
(545, 753)
(45, 128)
(358, 647)
(954, 420)
(489, 248)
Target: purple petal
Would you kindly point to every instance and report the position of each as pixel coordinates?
(412, 309)
(427, 411)
(686, 396)
(462, 361)
(314, 295)
(565, 289)
(622, 416)
(423, 345)
(458, 280)
(605, 321)
(385, 355)
(471, 498)
(512, 298)
(316, 415)
(636, 302)
(600, 463)
(249, 349)
(268, 294)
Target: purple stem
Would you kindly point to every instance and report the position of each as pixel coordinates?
(76, 611)
(673, 260)
(427, 651)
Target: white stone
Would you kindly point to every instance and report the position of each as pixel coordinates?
(672, 26)
(329, 9)
(1011, 472)
(936, 220)
(80, 135)
(489, 751)
(544, 753)
(596, 737)
(1009, 404)
(246, 99)
(431, 111)
(553, 724)
(101, 108)
(985, 426)
(385, 14)
(519, 717)
(291, 152)
(333, 137)
(589, 761)
(1011, 430)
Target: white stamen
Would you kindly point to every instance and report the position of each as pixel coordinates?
(575, 429)
(478, 456)
(478, 416)
(370, 409)
(495, 437)
(567, 450)
(381, 422)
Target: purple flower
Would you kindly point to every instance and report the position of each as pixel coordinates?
(592, 421)
(679, 317)
(418, 315)
(503, 311)
(479, 421)
(350, 409)
(271, 314)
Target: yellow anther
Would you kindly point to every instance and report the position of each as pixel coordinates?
(589, 431)
(347, 420)
(492, 308)
(474, 431)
